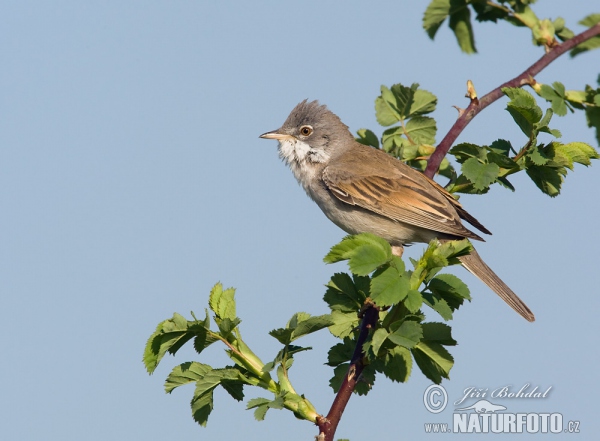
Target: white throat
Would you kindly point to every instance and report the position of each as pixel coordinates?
(302, 159)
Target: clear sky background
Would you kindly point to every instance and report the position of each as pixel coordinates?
(132, 179)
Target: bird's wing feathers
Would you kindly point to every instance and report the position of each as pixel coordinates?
(398, 192)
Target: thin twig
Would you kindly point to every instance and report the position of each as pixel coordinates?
(328, 425)
(476, 106)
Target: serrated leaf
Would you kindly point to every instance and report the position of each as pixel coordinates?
(367, 137)
(439, 333)
(593, 42)
(437, 11)
(421, 129)
(408, 334)
(480, 175)
(450, 288)
(465, 150)
(202, 406)
(339, 373)
(341, 352)
(261, 406)
(283, 335)
(537, 155)
(438, 304)
(379, 337)
(234, 388)
(501, 147)
(460, 23)
(364, 252)
(312, 324)
(185, 373)
(434, 360)
(389, 285)
(168, 334)
(501, 160)
(423, 102)
(404, 98)
(344, 323)
(523, 108)
(398, 364)
(578, 152)
(413, 301)
(342, 294)
(548, 179)
(386, 112)
(222, 302)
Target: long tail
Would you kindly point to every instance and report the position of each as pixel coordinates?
(479, 269)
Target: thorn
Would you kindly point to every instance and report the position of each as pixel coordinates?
(460, 110)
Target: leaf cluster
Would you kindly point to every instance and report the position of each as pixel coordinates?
(459, 13)
(546, 163)
(412, 135)
(247, 369)
(401, 336)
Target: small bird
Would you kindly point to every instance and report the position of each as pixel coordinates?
(364, 190)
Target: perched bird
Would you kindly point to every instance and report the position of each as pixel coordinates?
(363, 189)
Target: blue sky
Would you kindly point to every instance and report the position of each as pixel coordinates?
(133, 179)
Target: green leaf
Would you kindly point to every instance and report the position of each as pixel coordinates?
(548, 179)
(460, 23)
(421, 129)
(523, 108)
(169, 334)
(185, 373)
(344, 323)
(339, 373)
(439, 333)
(438, 304)
(398, 364)
(222, 303)
(367, 137)
(593, 42)
(423, 102)
(364, 252)
(386, 111)
(413, 301)
(537, 155)
(567, 154)
(343, 295)
(260, 404)
(341, 352)
(481, 175)
(501, 161)
(437, 11)
(557, 99)
(389, 285)
(379, 337)
(408, 334)
(404, 98)
(501, 147)
(464, 151)
(434, 360)
(202, 406)
(284, 336)
(312, 324)
(450, 288)
(590, 20)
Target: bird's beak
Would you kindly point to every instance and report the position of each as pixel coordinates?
(275, 135)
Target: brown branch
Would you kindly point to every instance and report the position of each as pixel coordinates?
(476, 106)
(328, 425)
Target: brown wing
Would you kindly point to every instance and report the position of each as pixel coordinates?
(392, 189)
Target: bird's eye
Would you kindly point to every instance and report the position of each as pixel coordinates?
(306, 130)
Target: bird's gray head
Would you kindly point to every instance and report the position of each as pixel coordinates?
(310, 135)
